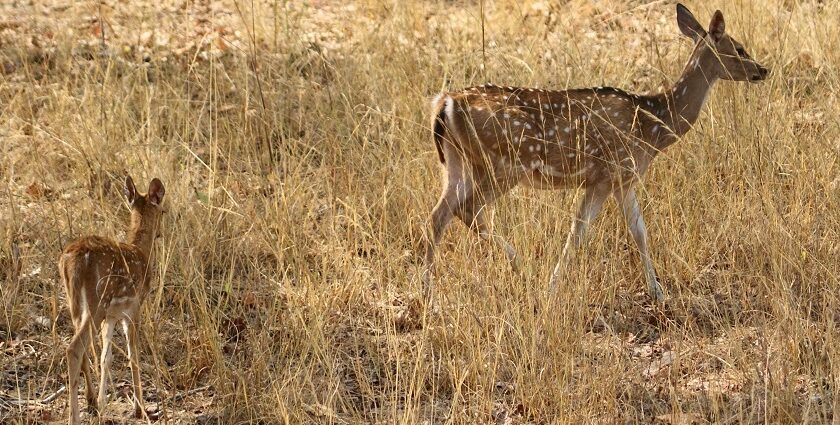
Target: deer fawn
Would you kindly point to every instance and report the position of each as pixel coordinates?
(603, 140)
(106, 281)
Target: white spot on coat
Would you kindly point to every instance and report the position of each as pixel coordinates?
(579, 172)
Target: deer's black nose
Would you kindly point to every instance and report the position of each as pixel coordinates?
(762, 74)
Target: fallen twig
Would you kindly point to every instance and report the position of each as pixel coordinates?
(50, 398)
(180, 396)
(6, 402)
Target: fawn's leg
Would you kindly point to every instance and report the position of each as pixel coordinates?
(105, 362)
(76, 351)
(90, 394)
(588, 209)
(130, 329)
(636, 223)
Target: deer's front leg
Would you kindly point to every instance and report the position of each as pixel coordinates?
(590, 206)
(636, 223)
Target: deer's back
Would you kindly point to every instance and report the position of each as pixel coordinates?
(557, 138)
(104, 272)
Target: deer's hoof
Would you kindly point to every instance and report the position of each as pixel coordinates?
(657, 294)
(92, 407)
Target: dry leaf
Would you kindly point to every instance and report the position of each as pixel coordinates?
(38, 190)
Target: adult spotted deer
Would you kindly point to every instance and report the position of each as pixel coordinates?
(602, 140)
(106, 283)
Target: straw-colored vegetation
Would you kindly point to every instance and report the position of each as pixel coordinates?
(294, 143)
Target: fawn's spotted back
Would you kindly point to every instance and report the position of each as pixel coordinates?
(119, 271)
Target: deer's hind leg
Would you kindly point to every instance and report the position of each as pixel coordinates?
(473, 213)
(107, 334)
(90, 394)
(130, 329)
(457, 187)
(76, 356)
(80, 347)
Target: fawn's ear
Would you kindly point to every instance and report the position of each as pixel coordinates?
(688, 24)
(156, 191)
(717, 27)
(129, 190)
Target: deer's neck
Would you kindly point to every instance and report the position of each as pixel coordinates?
(140, 235)
(679, 106)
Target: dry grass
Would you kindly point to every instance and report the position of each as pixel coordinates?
(293, 140)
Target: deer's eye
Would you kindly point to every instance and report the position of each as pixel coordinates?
(741, 52)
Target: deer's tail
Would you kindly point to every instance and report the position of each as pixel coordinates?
(442, 107)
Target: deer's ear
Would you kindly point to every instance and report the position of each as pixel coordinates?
(156, 191)
(129, 190)
(688, 24)
(717, 27)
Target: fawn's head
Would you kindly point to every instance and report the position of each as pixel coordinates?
(146, 208)
(733, 61)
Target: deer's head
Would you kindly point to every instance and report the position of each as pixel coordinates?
(732, 60)
(146, 208)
